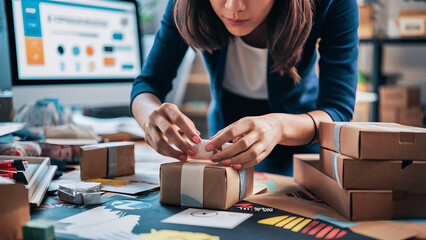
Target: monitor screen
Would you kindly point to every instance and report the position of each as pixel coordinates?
(66, 41)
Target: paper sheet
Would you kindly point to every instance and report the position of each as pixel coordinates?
(172, 234)
(99, 223)
(208, 218)
(6, 128)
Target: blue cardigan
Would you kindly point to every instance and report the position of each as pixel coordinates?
(333, 91)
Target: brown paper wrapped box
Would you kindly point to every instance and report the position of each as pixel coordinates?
(357, 205)
(374, 141)
(375, 175)
(107, 160)
(221, 186)
(14, 210)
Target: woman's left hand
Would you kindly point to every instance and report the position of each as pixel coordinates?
(253, 138)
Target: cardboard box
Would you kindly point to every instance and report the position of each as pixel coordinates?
(39, 175)
(410, 117)
(366, 26)
(107, 160)
(412, 23)
(399, 97)
(357, 205)
(375, 175)
(14, 210)
(220, 187)
(374, 141)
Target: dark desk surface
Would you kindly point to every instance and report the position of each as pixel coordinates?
(285, 211)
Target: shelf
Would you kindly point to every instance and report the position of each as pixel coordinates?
(417, 40)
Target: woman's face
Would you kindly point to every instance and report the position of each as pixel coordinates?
(241, 17)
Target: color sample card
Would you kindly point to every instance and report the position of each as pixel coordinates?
(208, 218)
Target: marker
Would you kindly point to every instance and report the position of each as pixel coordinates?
(17, 176)
(19, 164)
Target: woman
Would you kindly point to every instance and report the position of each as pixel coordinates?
(266, 95)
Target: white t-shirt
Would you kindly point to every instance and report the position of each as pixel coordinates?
(245, 70)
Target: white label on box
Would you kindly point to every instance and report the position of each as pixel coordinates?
(208, 218)
(411, 26)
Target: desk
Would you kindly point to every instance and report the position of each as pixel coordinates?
(285, 211)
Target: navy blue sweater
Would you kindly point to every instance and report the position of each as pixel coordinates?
(333, 91)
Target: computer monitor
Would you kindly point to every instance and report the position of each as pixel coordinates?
(84, 52)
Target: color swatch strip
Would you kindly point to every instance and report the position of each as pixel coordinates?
(305, 226)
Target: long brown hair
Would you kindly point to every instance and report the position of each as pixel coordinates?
(288, 26)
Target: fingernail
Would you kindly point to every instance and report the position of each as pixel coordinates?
(209, 147)
(182, 157)
(215, 159)
(191, 152)
(226, 162)
(196, 139)
(237, 166)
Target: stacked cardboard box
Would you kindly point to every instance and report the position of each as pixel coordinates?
(368, 171)
(401, 105)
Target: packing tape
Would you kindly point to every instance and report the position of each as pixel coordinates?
(335, 168)
(243, 183)
(339, 126)
(112, 162)
(200, 148)
(191, 184)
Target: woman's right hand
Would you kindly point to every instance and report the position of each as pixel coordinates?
(164, 126)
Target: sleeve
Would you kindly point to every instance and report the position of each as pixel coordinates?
(163, 60)
(338, 64)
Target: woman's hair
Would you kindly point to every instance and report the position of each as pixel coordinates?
(288, 26)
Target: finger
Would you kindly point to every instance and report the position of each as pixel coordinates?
(239, 146)
(250, 155)
(261, 157)
(157, 141)
(222, 130)
(238, 138)
(184, 123)
(173, 135)
(227, 135)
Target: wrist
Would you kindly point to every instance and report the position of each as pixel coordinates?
(295, 129)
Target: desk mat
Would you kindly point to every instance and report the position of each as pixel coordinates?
(124, 217)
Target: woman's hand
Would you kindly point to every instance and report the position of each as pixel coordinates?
(165, 124)
(253, 137)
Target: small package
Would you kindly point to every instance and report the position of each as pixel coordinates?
(351, 173)
(39, 229)
(204, 185)
(107, 160)
(87, 193)
(374, 141)
(357, 205)
(412, 23)
(399, 97)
